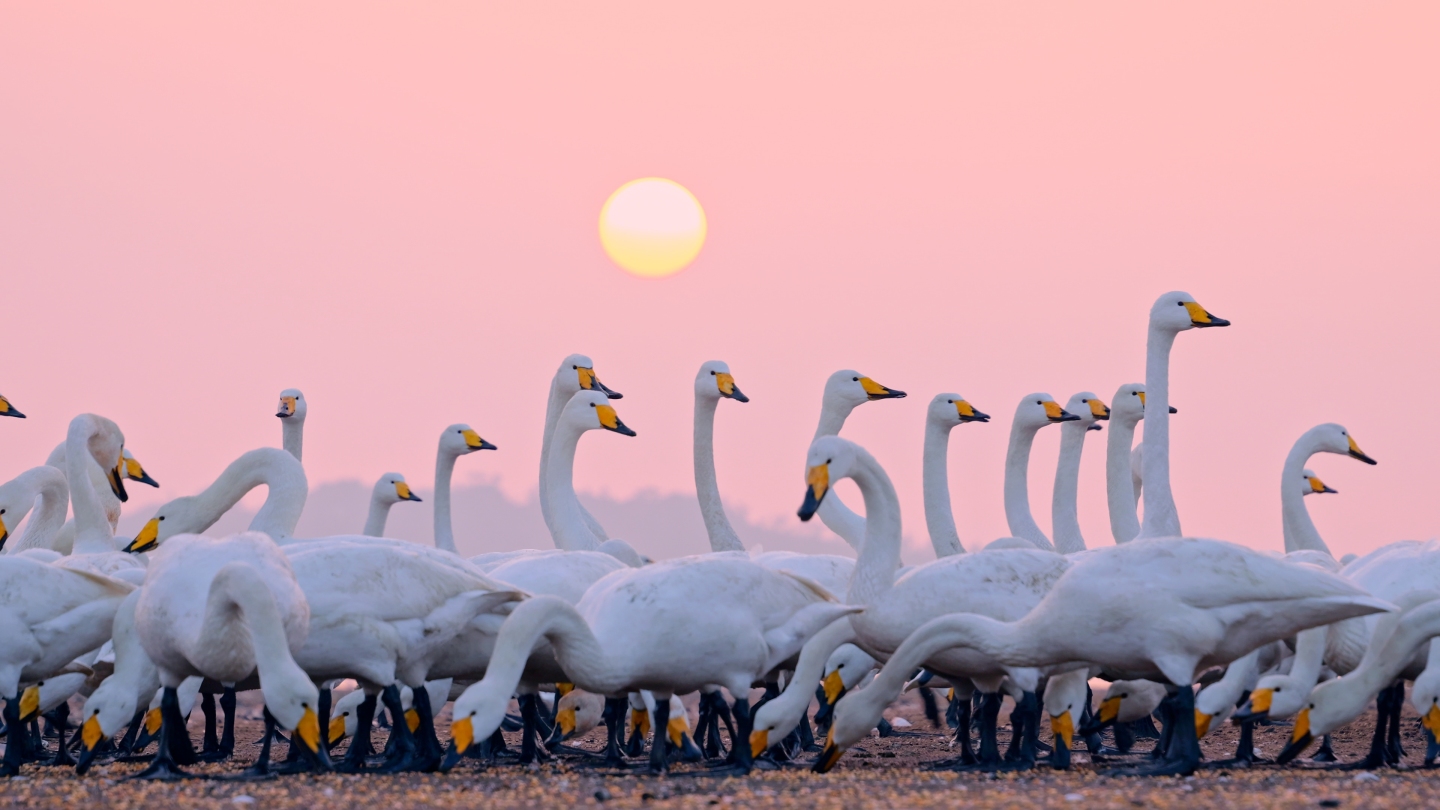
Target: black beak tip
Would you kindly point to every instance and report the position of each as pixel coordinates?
(416, 498)
(625, 431)
(739, 397)
(1095, 426)
(1173, 409)
(283, 415)
(484, 445)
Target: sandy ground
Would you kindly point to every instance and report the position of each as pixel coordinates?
(878, 773)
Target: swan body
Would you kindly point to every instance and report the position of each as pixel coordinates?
(846, 390)
(388, 491)
(1064, 510)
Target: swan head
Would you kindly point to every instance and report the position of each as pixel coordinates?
(106, 444)
(847, 388)
(577, 373)
(949, 410)
(293, 702)
(344, 716)
(1178, 311)
(1329, 706)
(1310, 484)
(830, 459)
(135, 471)
(1040, 409)
(714, 381)
(6, 409)
(106, 711)
(292, 405)
(460, 439)
(1334, 438)
(1425, 697)
(578, 713)
(476, 714)
(1275, 697)
(591, 410)
(855, 714)
(1065, 701)
(1091, 409)
(392, 489)
(1125, 702)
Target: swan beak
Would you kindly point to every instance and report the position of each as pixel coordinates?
(1099, 409)
(1109, 710)
(402, 491)
(726, 384)
(759, 741)
(818, 481)
(91, 733)
(563, 689)
(137, 473)
(676, 729)
(6, 409)
(4, 533)
(968, 413)
(1431, 720)
(1318, 487)
(29, 703)
(1257, 708)
(474, 442)
(1200, 317)
(590, 382)
(1300, 739)
(117, 484)
(829, 756)
(1095, 426)
(1355, 452)
(152, 722)
(611, 421)
(565, 718)
(1057, 413)
(412, 720)
(834, 685)
(287, 408)
(874, 390)
(308, 730)
(1202, 723)
(1063, 727)
(640, 719)
(462, 733)
(147, 539)
(337, 729)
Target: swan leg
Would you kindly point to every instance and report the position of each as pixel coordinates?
(1325, 753)
(210, 748)
(740, 762)
(530, 750)
(15, 739)
(406, 755)
(227, 710)
(614, 719)
(660, 742)
(989, 730)
(807, 737)
(322, 713)
(261, 769)
(689, 751)
(1182, 749)
(360, 745)
(60, 716)
(932, 708)
(164, 767)
(1244, 750)
(1394, 750)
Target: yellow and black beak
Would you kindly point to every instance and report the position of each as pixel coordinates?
(759, 742)
(402, 491)
(4, 532)
(90, 736)
(1106, 716)
(137, 473)
(1201, 318)
(726, 384)
(1055, 413)
(1202, 723)
(1142, 402)
(565, 719)
(462, 734)
(967, 412)
(1099, 409)
(308, 730)
(611, 420)
(818, 483)
(1318, 487)
(1257, 708)
(1300, 738)
(29, 703)
(834, 687)
(874, 390)
(1431, 721)
(474, 442)
(6, 409)
(287, 408)
(336, 732)
(1063, 726)
(829, 756)
(117, 483)
(1355, 452)
(590, 382)
(148, 538)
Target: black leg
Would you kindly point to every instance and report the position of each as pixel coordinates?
(60, 717)
(807, 737)
(659, 744)
(1394, 751)
(16, 741)
(227, 736)
(210, 749)
(127, 742)
(1182, 751)
(615, 709)
(406, 752)
(164, 767)
(989, 729)
(261, 769)
(739, 745)
(932, 709)
(323, 714)
(1325, 752)
(360, 746)
(530, 750)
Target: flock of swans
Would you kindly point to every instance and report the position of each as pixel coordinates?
(590, 632)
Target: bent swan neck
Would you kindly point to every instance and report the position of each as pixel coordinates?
(240, 601)
(48, 484)
(880, 553)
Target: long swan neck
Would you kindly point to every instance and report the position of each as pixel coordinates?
(47, 484)
(707, 490)
(292, 437)
(568, 526)
(287, 489)
(880, 554)
(832, 418)
(1299, 530)
(939, 517)
(954, 630)
(92, 527)
(1119, 488)
(1161, 517)
(1064, 501)
(1017, 493)
(444, 469)
(553, 406)
(239, 594)
(1309, 655)
(376, 519)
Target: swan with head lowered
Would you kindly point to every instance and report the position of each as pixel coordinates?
(1002, 583)
(130, 470)
(1090, 410)
(388, 491)
(1162, 610)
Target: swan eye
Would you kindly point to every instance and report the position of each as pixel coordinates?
(829, 460)
(574, 368)
(2, 511)
(162, 517)
(855, 379)
(1179, 303)
(1039, 402)
(592, 404)
(712, 373)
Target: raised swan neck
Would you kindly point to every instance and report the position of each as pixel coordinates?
(707, 490)
(939, 517)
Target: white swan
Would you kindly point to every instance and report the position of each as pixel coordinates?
(1163, 609)
(292, 410)
(6, 409)
(846, 390)
(456, 440)
(1171, 314)
(388, 491)
(643, 628)
(575, 374)
(94, 438)
(1300, 531)
(1034, 412)
(1002, 583)
(586, 411)
(1064, 510)
(117, 699)
(945, 412)
(45, 485)
(277, 470)
(713, 383)
(49, 616)
(130, 469)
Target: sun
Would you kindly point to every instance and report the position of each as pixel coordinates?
(652, 227)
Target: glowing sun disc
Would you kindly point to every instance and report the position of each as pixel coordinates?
(652, 227)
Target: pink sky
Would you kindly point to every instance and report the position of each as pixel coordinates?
(392, 206)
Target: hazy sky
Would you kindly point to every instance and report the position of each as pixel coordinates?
(393, 207)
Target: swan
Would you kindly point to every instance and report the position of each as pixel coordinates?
(1089, 411)
(1127, 408)
(344, 718)
(44, 485)
(846, 390)
(118, 698)
(388, 491)
(575, 374)
(1171, 314)
(292, 430)
(92, 438)
(1217, 702)
(1028, 421)
(945, 412)
(456, 440)
(49, 616)
(1300, 531)
(713, 383)
(6, 409)
(1163, 609)
(222, 609)
(1001, 583)
(586, 411)
(279, 471)
(642, 628)
(130, 470)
